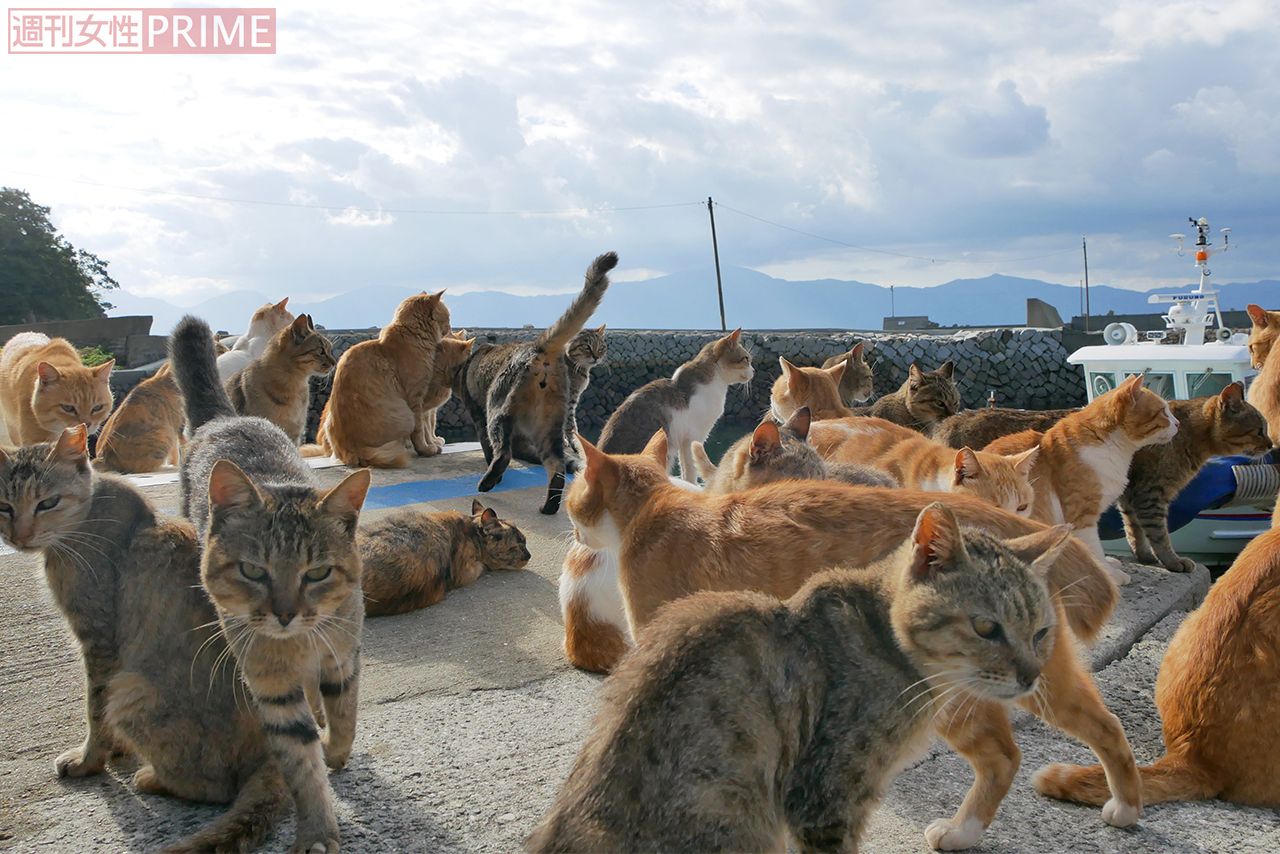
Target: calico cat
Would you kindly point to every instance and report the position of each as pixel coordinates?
(263, 326)
(277, 385)
(977, 428)
(792, 717)
(128, 584)
(686, 406)
(856, 384)
(411, 559)
(1217, 694)
(375, 411)
(44, 389)
(1264, 391)
(925, 398)
(1212, 426)
(281, 566)
(671, 543)
(519, 393)
(145, 430)
(1083, 464)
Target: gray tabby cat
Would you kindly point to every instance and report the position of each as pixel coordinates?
(518, 394)
(128, 584)
(925, 398)
(281, 566)
(739, 720)
(585, 351)
(856, 382)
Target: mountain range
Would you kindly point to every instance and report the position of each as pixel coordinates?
(687, 300)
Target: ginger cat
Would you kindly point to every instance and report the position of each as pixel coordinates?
(145, 431)
(44, 389)
(816, 388)
(772, 539)
(1083, 464)
(263, 326)
(1264, 392)
(1217, 693)
(451, 355)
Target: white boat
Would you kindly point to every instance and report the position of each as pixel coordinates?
(1230, 501)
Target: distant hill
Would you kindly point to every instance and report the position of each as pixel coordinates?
(687, 300)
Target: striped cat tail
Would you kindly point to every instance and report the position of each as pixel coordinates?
(554, 341)
(262, 801)
(195, 367)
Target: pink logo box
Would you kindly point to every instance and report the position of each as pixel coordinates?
(167, 31)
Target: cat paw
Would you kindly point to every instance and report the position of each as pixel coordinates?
(80, 762)
(438, 441)
(1119, 814)
(1118, 575)
(429, 450)
(1180, 564)
(488, 482)
(947, 834)
(325, 846)
(146, 781)
(336, 759)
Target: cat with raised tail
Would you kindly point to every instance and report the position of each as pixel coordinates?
(1264, 391)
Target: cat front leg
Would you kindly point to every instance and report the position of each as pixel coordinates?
(91, 756)
(687, 471)
(1136, 535)
(979, 731)
(1153, 524)
(421, 436)
(430, 418)
(340, 688)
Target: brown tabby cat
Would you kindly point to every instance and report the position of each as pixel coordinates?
(740, 720)
(925, 398)
(145, 431)
(1264, 391)
(1217, 694)
(277, 386)
(856, 384)
(672, 542)
(412, 559)
(44, 389)
(977, 428)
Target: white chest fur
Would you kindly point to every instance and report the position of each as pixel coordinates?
(705, 408)
(1109, 462)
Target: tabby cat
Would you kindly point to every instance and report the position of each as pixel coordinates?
(817, 389)
(44, 389)
(1264, 391)
(925, 398)
(794, 716)
(412, 559)
(451, 355)
(128, 584)
(281, 566)
(856, 384)
(145, 430)
(277, 385)
(977, 428)
(1217, 694)
(523, 390)
(585, 351)
(686, 406)
(263, 326)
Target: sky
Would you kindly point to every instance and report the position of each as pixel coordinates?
(501, 145)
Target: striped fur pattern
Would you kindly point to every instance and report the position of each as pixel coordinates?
(145, 430)
(925, 398)
(977, 428)
(277, 385)
(1264, 392)
(856, 382)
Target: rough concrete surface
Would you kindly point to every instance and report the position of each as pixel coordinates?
(470, 719)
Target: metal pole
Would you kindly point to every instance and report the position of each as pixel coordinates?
(1084, 245)
(716, 249)
(893, 312)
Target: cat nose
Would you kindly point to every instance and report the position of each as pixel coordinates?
(1027, 678)
(285, 619)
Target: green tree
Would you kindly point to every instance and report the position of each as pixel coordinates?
(42, 276)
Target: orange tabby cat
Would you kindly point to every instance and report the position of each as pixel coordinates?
(1217, 693)
(1084, 459)
(44, 389)
(816, 388)
(1264, 392)
(145, 431)
(451, 354)
(672, 542)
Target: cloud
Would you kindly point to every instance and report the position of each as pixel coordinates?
(1001, 125)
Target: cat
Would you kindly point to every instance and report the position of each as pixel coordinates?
(519, 393)
(375, 410)
(1217, 425)
(1084, 459)
(411, 559)
(1264, 391)
(585, 351)
(263, 326)
(281, 567)
(277, 385)
(671, 543)
(856, 384)
(451, 354)
(778, 452)
(145, 430)
(794, 717)
(686, 406)
(977, 428)
(925, 398)
(1217, 694)
(44, 388)
(817, 389)
(128, 584)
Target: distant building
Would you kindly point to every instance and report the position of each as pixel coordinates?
(908, 321)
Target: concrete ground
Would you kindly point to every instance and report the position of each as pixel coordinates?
(470, 718)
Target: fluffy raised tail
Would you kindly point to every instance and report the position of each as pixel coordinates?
(1171, 778)
(557, 337)
(702, 463)
(262, 801)
(1085, 589)
(195, 367)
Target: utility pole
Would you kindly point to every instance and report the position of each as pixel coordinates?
(716, 249)
(1084, 245)
(893, 312)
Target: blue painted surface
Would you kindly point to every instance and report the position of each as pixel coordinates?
(418, 491)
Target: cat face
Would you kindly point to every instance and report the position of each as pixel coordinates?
(588, 348)
(66, 397)
(282, 560)
(932, 395)
(1266, 328)
(1004, 481)
(44, 490)
(1144, 415)
(856, 384)
(425, 313)
(502, 546)
(611, 482)
(732, 359)
(974, 610)
(1238, 428)
(307, 346)
(816, 388)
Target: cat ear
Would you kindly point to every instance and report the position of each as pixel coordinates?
(600, 331)
(282, 305)
(597, 463)
(837, 371)
(1025, 461)
(800, 421)
(48, 373)
(936, 544)
(765, 440)
(1132, 387)
(914, 372)
(476, 507)
(103, 371)
(231, 489)
(1041, 549)
(467, 344)
(967, 465)
(488, 517)
(300, 328)
(797, 382)
(346, 499)
(1257, 314)
(657, 448)
(948, 369)
(857, 354)
(735, 335)
(1232, 394)
(72, 446)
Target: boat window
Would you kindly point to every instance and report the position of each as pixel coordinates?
(1101, 382)
(1161, 384)
(1205, 383)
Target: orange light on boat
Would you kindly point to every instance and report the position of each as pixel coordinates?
(1202, 255)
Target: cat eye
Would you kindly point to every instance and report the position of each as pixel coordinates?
(48, 503)
(987, 628)
(1022, 508)
(1041, 635)
(98, 408)
(6, 509)
(253, 572)
(317, 573)
(70, 410)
